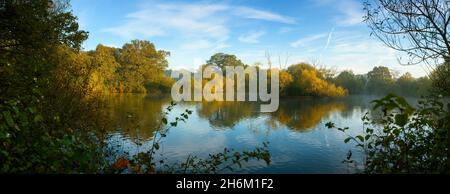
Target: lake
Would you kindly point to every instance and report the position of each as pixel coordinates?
(298, 140)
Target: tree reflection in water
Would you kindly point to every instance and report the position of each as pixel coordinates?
(137, 115)
(135, 119)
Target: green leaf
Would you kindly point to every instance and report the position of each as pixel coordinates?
(401, 119)
(174, 124)
(164, 120)
(9, 120)
(38, 118)
(361, 138)
(347, 139)
(402, 101)
(5, 153)
(32, 109)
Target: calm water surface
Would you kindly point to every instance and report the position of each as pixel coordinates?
(299, 140)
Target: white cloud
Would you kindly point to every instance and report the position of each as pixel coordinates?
(206, 44)
(352, 50)
(207, 23)
(161, 19)
(306, 40)
(251, 13)
(200, 44)
(252, 37)
(221, 46)
(209, 20)
(350, 11)
(252, 56)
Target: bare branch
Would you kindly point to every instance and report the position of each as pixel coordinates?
(417, 27)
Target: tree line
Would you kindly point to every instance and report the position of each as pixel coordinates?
(382, 81)
(304, 79)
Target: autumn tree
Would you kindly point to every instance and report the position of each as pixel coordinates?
(41, 103)
(29, 33)
(308, 81)
(286, 79)
(141, 65)
(104, 77)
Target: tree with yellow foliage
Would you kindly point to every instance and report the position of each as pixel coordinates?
(308, 81)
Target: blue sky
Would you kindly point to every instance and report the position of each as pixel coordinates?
(327, 32)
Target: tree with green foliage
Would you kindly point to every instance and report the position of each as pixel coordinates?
(407, 85)
(441, 79)
(380, 80)
(221, 60)
(29, 33)
(40, 118)
(355, 84)
(140, 65)
(104, 78)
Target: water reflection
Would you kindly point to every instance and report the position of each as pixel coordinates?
(305, 114)
(226, 114)
(135, 116)
(299, 141)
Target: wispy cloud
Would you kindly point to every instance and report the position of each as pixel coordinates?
(304, 41)
(360, 52)
(221, 45)
(252, 37)
(252, 13)
(350, 11)
(207, 23)
(161, 19)
(330, 35)
(200, 19)
(195, 45)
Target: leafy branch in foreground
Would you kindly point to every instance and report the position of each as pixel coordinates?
(405, 139)
(144, 162)
(226, 160)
